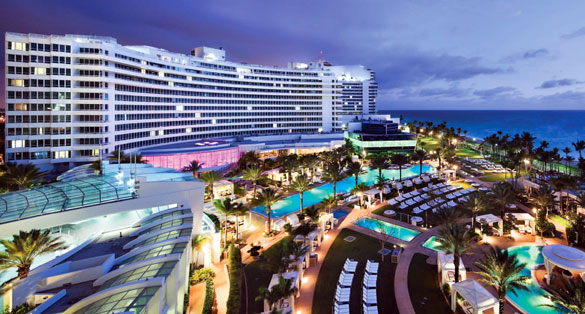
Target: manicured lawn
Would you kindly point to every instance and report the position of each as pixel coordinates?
(257, 276)
(560, 220)
(429, 143)
(466, 152)
(493, 177)
(423, 287)
(361, 249)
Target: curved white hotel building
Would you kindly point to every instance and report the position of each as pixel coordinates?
(73, 98)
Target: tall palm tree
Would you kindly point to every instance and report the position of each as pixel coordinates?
(354, 169)
(569, 159)
(304, 229)
(249, 159)
(300, 185)
(476, 203)
(328, 203)
(378, 162)
(210, 177)
(333, 174)
(503, 272)
(579, 146)
(21, 251)
(253, 174)
(226, 208)
(420, 155)
(21, 176)
(239, 211)
(268, 197)
(284, 289)
(503, 195)
(194, 166)
(197, 244)
(544, 198)
(566, 151)
(571, 299)
(457, 240)
(400, 160)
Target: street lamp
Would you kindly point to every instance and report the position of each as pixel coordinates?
(526, 162)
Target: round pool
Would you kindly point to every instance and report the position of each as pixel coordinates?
(530, 300)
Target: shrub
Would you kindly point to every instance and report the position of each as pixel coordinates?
(255, 250)
(447, 290)
(235, 274)
(209, 303)
(288, 227)
(547, 229)
(215, 220)
(201, 275)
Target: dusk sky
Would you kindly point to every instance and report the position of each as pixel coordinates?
(427, 54)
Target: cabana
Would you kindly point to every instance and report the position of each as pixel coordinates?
(492, 219)
(446, 268)
(324, 219)
(275, 174)
(371, 194)
(293, 220)
(397, 185)
(288, 304)
(223, 188)
(448, 174)
(278, 225)
(562, 256)
(476, 298)
(528, 220)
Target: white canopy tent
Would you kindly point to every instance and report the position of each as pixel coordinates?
(223, 188)
(527, 219)
(476, 298)
(492, 219)
(288, 303)
(446, 268)
(563, 256)
(371, 194)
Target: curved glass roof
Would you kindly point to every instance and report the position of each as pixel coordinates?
(63, 196)
(133, 301)
(170, 223)
(171, 248)
(141, 273)
(166, 215)
(165, 236)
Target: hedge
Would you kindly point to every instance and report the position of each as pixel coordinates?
(235, 273)
(209, 297)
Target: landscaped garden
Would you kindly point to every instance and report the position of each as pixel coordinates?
(361, 249)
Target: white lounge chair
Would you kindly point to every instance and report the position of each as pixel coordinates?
(342, 295)
(341, 308)
(369, 297)
(372, 267)
(370, 281)
(370, 309)
(345, 280)
(393, 202)
(426, 179)
(350, 266)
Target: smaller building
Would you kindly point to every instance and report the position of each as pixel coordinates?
(379, 133)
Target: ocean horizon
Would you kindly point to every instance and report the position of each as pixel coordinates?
(558, 127)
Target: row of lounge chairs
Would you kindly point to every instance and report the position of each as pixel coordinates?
(369, 292)
(343, 291)
(459, 195)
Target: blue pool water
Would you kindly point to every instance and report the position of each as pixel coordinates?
(529, 301)
(339, 213)
(291, 204)
(380, 226)
(431, 243)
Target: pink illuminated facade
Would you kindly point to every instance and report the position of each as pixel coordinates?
(209, 159)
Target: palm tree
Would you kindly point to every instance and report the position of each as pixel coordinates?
(239, 210)
(354, 169)
(566, 151)
(378, 162)
(210, 177)
(569, 159)
(457, 240)
(194, 166)
(571, 299)
(304, 229)
(249, 159)
(475, 203)
(226, 208)
(290, 164)
(21, 176)
(253, 174)
(503, 272)
(21, 251)
(333, 174)
(359, 190)
(197, 244)
(503, 195)
(544, 198)
(97, 166)
(420, 155)
(284, 289)
(328, 203)
(301, 185)
(400, 160)
(579, 146)
(267, 198)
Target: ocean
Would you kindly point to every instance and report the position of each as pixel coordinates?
(558, 127)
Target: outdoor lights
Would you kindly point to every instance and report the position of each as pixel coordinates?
(526, 161)
(305, 279)
(534, 210)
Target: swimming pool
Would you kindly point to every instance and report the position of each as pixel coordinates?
(432, 243)
(530, 300)
(380, 226)
(339, 213)
(291, 204)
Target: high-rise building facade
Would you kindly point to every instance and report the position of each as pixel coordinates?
(71, 99)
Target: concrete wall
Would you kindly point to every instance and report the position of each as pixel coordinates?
(78, 271)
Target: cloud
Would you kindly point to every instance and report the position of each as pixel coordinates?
(497, 91)
(443, 92)
(401, 67)
(528, 54)
(558, 83)
(574, 34)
